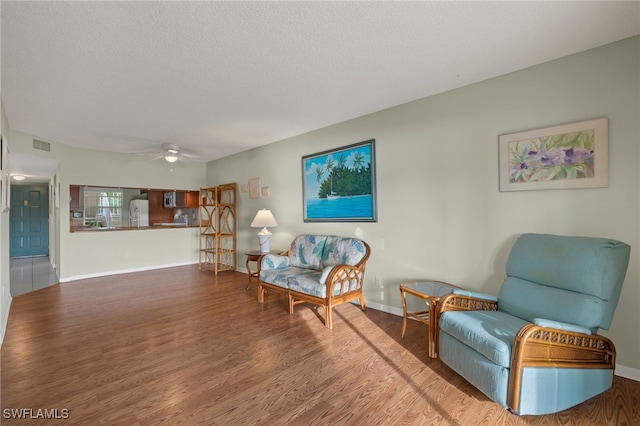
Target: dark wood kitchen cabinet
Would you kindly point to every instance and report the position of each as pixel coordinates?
(193, 199)
(187, 198)
(157, 212)
(74, 197)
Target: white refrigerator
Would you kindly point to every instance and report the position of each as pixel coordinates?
(139, 213)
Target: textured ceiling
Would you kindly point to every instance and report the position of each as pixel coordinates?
(217, 78)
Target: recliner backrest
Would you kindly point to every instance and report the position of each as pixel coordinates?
(569, 279)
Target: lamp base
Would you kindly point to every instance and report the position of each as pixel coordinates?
(265, 243)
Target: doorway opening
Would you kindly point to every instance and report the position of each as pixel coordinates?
(29, 239)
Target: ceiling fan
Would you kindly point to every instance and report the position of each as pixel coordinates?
(171, 153)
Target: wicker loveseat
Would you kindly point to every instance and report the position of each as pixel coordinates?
(324, 270)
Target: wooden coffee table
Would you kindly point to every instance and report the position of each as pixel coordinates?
(430, 292)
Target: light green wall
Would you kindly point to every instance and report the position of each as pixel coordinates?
(440, 214)
(81, 255)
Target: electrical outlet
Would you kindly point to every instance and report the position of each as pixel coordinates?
(379, 282)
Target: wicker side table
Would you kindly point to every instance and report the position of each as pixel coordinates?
(430, 292)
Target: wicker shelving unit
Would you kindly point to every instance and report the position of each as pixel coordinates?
(217, 243)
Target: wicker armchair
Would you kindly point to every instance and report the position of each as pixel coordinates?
(534, 348)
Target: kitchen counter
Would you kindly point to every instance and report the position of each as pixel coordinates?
(164, 225)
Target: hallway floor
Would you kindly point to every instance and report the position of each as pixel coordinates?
(31, 273)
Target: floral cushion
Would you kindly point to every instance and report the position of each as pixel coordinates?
(274, 261)
(310, 284)
(306, 251)
(342, 251)
(325, 274)
(280, 277)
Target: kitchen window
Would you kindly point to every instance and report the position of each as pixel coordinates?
(102, 207)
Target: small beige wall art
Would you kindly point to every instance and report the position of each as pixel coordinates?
(254, 188)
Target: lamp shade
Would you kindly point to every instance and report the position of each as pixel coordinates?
(264, 218)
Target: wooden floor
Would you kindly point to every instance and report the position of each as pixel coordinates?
(182, 347)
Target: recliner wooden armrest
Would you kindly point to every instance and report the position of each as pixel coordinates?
(537, 346)
(461, 302)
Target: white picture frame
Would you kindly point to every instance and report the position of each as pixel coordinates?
(568, 156)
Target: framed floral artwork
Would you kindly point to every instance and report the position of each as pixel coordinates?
(572, 155)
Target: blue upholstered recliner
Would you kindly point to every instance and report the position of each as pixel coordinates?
(534, 348)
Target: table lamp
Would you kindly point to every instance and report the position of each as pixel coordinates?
(263, 219)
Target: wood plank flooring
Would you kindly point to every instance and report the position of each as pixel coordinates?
(178, 346)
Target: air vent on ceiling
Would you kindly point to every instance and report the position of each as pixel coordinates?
(42, 146)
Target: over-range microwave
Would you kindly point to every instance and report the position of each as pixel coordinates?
(170, 199)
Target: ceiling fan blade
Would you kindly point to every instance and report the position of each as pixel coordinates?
(148, 153)
(188, 155)
(173, 151)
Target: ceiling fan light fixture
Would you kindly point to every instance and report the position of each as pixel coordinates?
(171, 158)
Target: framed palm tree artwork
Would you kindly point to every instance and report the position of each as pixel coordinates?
(339, 185)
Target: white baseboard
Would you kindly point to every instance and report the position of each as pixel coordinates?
(383, 308)
(627, 372)
(123, 271)
(5, 321)
(621, 370)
